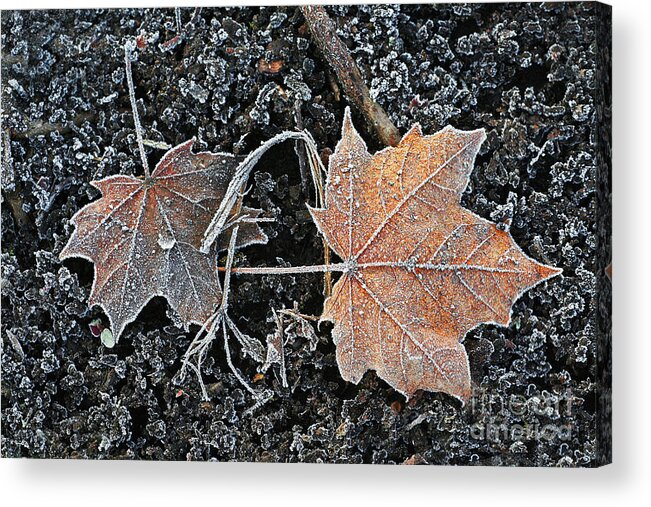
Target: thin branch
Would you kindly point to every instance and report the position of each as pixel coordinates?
(128, 50)
(324, 33)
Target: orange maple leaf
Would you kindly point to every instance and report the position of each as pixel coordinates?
(421, 270)
(144, 235)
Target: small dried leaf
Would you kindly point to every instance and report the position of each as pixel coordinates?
(143, 236)
(422, 270)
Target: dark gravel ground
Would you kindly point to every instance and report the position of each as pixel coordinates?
(534, 76)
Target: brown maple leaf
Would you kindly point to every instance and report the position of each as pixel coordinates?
(143, 236)
(421, 270)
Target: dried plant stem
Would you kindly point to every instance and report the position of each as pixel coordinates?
(202, 340)
(229, 266)
(128, 50)
(295, 313)
(196, 352)
(237, 374)
(317, 170)
(324, 33)
(219, 221)
(352, 266)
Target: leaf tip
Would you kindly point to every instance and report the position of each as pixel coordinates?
(347, 124)
(171, 156)
(185, 148)
(547, 272)
(99, 185)
(318, 216)
(477, 136)
(415, 132)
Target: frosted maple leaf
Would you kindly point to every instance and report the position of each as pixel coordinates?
(144, 234)
(420, 270)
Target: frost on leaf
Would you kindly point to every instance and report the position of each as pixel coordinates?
(421, 270)
(143, 235)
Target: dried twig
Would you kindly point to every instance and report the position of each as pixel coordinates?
(337, 55)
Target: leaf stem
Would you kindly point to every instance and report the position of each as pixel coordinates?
(290, 270)
(128, 50)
